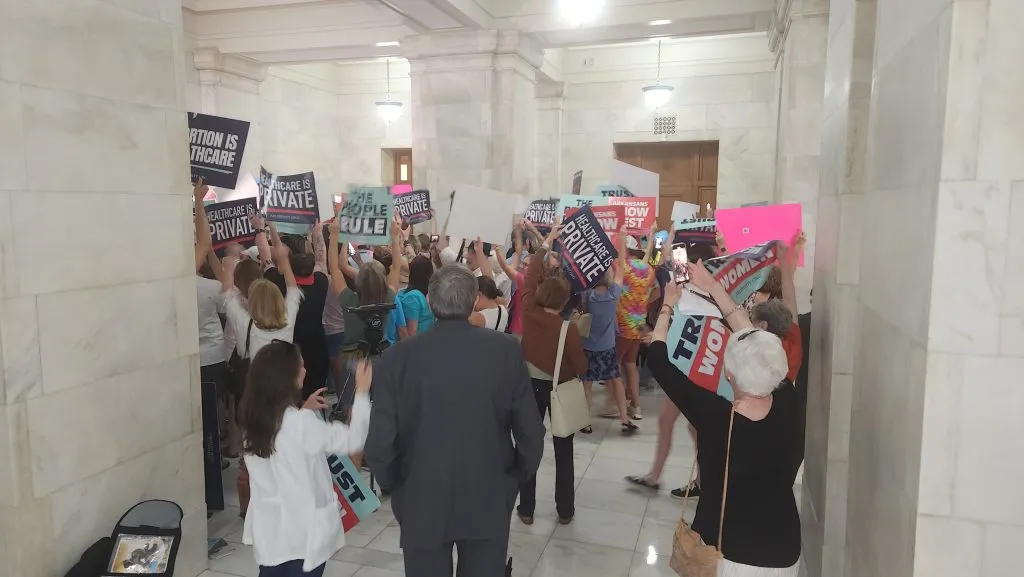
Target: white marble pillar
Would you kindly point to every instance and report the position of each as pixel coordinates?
(935, 466)
(550, 178)
(473, 110)
(801, 29)
(99, 375)
(847, 96)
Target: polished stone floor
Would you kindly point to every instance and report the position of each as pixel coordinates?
(618, 531)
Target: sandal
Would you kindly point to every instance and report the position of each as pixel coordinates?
(628, 428)
(587, 430)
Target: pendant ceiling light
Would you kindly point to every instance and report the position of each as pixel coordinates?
(389, 110)
(657, 94)
(580, 12)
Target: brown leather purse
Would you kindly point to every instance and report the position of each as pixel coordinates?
(691, 557)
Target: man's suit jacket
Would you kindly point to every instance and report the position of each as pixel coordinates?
(447, 405)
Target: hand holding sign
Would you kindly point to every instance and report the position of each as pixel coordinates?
(700, 277)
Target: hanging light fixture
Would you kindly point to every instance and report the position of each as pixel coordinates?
(580, 12)
(389, 110)
(657, 95)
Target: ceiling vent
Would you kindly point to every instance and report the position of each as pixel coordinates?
(664, 125)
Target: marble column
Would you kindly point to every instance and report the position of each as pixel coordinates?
(935, 466)
(473, 110)
(550, 178)
(99, 375)
(847, 98)
(801, 31)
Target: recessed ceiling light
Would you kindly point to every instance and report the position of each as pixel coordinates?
(390, 43)
(659, 22)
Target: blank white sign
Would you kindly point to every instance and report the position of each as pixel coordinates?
(483, 213)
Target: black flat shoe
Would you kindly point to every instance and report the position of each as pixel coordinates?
(587, 430)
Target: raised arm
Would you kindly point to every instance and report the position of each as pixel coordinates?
(262, 245)
(395, 274)
(281, 260)
(649, 250)
(732, 313)
(319, 250)
(789, 257)
(204, 241)
(485, 263)
(337, 277)
(508, 269)
(620, 270)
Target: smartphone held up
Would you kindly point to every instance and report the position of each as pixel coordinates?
(679, 259)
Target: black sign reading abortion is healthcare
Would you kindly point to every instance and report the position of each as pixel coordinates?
(289, 198)
(216, 145)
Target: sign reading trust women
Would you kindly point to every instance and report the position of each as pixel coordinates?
(216, 145)
(587, 252)
(365, 218)
(289, 200)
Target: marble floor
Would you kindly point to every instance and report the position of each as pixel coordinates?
(619, 531)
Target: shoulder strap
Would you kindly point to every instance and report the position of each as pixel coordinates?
(497, 323)
(558, 357)
(725, 483)
(248, 338)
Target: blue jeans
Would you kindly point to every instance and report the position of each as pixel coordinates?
(291, 569)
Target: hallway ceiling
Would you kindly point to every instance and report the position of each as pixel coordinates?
(285, 31)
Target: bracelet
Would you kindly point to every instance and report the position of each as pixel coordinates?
(670, 309)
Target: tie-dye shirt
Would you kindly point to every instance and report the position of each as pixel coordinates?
(632, 311)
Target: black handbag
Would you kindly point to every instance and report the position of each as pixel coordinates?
(238, 367)
(146, 540)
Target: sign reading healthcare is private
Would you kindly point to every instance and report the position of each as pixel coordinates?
(216, 146)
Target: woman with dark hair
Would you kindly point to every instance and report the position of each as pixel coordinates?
(489, 313)
(294, 521)
(544, 296)
(418, 317)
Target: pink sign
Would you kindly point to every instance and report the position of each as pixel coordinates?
(749, 226)
(401, 188)
(639, 212)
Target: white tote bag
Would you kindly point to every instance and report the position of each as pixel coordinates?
(569, 410)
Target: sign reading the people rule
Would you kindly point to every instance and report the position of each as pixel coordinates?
(587, 252)
(365, 217)
(289, 200)
(229, 221)
(413, 207)
(216, 145)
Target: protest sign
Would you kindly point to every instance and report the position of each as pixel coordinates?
(400, 189)
(229, 221)
(357, 501)
(412, 207)
(216, 145)
(640, 213)
(365, 218)
(742, 273)
(695, 231)
(541, 214)
(587, 252)
(613, 190)
(609, 217)
(750, 226)
(636, 180)
(289, 200)
(577, 182)
(683, 210)
(484, 213)
(696, 346)
(575, 202)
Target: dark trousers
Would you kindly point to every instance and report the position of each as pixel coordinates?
(291, 569)
(477, 558)
(565, 483)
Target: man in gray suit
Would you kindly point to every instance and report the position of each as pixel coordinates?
(447, 406)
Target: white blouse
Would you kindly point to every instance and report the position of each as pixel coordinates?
(293, 510)
(496, 318)
(238, 321)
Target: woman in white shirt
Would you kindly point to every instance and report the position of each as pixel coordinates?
(294, 519)
(490, 313)
(267, 315)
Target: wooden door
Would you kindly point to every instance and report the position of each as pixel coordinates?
(403, 165)
(688, 170)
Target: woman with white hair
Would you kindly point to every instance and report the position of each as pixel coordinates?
(746, 450)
